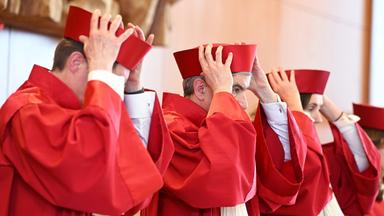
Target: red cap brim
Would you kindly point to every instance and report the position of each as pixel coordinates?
(370, 116)
(310, 81)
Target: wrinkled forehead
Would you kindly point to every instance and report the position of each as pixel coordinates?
(242, 78)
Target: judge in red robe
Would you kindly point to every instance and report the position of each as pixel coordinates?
(68, 146)
(143, 106)
(353, 161)
(213, 169)
(372, 120)
(314, 193)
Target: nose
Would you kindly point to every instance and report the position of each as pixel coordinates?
(242, 100)
(317, 117)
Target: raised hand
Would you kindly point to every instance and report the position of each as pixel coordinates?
(259, 84)
(133, 83)
(102, 46)
(217, 75)
(286, 88)
(330, 110)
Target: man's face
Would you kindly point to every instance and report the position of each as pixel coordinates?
(241, 82)
(313, 107)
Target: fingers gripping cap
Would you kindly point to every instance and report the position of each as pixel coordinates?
(131, 52)
(310, 81)
(243, 57)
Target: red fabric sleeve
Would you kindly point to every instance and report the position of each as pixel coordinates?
(89, 160)
(314, 191)
(355, 191)
(378, 209)
(213, 164)
(278, 182)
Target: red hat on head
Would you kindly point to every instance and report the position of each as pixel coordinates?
(132, 51)
(243, 56)
(370, 116)
(310, 81)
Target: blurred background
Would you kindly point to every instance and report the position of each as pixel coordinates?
(342, 36)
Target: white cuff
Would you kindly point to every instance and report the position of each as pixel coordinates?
(112, 80)
(140, 105)
(346, 120)
(276, 113)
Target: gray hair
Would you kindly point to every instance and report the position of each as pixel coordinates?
(188, 85)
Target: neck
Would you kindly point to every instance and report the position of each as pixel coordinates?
(197, 101)
(65, 77)
(59, 74)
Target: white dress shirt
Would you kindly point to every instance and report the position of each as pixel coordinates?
(140, 109)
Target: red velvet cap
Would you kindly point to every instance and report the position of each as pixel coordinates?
(310, 81)
(243, 56)
(370, 116)
(132, 51)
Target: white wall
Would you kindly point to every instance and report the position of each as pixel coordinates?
(4, 49)
(325, 34)
(376, 96)
(20, 50)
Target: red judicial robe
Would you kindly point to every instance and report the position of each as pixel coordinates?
(213, 165)
(355, 191)
(378, 209)
(60, 158)
(303, 192)
(314, 192)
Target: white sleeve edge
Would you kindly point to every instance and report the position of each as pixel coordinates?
(112, 80)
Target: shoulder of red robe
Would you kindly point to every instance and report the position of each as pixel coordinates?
(243, 57)
(132, 51)
(370, 116)
(39, 75)
(310, 80)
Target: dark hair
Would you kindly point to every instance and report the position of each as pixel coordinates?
(63, 50)
(376, 135)
(305, 97)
